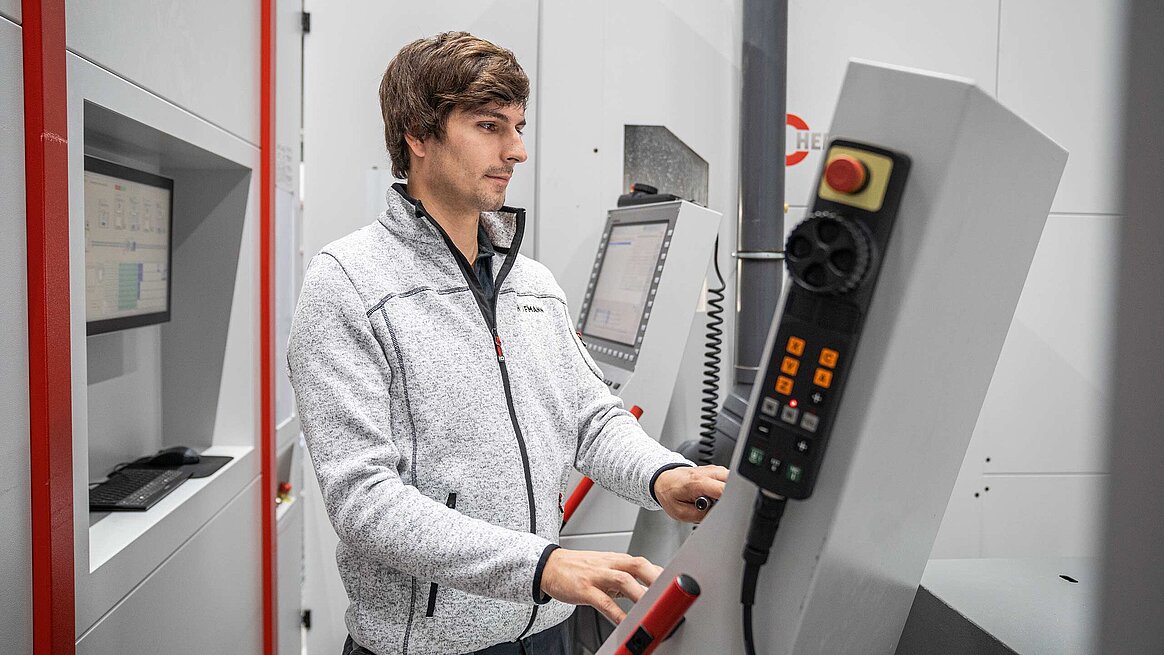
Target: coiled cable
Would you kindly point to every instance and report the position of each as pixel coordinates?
(709, 395)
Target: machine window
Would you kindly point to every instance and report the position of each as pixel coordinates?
(624, 283)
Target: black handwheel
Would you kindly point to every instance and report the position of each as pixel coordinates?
(828, 253)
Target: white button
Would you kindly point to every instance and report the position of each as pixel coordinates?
(769, 406)
(809, 422)
(790, 414)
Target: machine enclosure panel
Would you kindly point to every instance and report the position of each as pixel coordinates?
(846, 563)
(205, 599)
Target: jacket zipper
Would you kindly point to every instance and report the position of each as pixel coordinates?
(451, 503)
(490, 316)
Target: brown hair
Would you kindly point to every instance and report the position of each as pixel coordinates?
(431, 77)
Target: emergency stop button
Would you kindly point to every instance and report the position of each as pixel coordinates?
(846, 174)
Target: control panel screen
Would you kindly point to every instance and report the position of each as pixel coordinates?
(624, 282)
(127, 247)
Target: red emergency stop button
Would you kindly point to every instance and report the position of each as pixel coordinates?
(846, 174)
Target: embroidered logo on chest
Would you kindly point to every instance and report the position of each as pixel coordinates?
(530, 308)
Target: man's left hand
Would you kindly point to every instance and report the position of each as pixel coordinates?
(678, 488)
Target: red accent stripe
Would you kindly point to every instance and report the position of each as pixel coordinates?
(267, 320)
(576, 498)
(46, 161)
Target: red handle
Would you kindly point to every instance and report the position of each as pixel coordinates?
(575, 500)
(664, 615)
(584, 486)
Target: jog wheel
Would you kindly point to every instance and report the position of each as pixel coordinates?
(828, 253)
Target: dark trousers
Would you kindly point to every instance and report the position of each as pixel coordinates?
(552, 641)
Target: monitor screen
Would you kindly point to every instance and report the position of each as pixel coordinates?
(624, 282)
(128, 218)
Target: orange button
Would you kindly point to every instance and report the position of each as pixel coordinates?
(784, 385)
(790, 365)
(823, 378)
(828, 357)
(796, 346)
(846, 174)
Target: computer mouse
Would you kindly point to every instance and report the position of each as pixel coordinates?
(175, 456)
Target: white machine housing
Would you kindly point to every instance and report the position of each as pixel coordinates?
(643, 371)
(846, 562)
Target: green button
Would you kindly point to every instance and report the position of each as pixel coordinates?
(793, 473)
(755, 456)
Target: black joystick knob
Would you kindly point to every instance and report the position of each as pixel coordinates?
(828, 253)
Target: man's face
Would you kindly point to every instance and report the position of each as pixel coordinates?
(472, 164)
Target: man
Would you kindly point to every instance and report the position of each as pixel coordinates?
(445, 395)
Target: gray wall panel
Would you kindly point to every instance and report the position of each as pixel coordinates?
(15, 557)
(203, 56)
(290, 579)
(204, 599)
(1046, 409)
(10, 9)
(958, 37)
(349, 46)
(1059, 67)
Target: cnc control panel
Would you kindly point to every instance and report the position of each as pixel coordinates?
(833, 259)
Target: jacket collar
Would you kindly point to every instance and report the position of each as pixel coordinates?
(505, 226)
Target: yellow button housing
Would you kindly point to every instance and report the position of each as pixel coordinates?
(823, 378)
(869, 198)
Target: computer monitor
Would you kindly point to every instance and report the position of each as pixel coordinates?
(128, 239)
(619, 298)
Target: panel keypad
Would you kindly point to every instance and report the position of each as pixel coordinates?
(833, 259)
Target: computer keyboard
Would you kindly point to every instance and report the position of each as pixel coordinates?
(131, 489)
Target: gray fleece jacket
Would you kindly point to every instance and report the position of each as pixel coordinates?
(443, 432)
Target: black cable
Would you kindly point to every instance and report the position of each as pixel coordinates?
(709, 403)
(766, 514)
(749, 641)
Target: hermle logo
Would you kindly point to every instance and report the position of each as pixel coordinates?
(804, 141)
(531, 308)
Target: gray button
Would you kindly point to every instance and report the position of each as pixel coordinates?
(809, 422)
(789, 414)
(769, 407)
(774, 464)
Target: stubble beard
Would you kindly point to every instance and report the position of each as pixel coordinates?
(482, 199)
(488, 201)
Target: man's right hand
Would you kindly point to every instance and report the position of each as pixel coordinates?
(584, 577)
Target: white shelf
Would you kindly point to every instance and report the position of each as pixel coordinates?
(117, 530)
